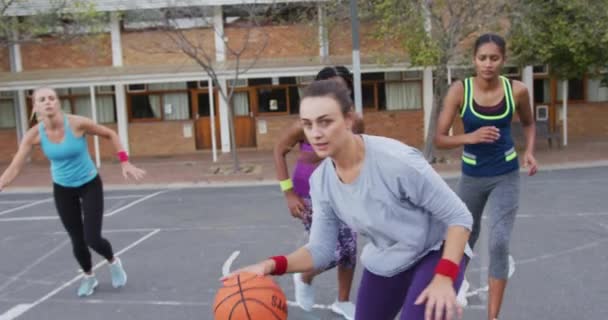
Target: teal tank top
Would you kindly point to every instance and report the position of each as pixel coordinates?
(71, 163)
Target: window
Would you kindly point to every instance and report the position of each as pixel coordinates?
(542, 91)
(597, 90)
(159, 101)
(7, 113)
(392, 90)
(576, 90)
(272, 99)
(279, 95)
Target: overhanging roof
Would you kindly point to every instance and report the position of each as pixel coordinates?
(66, 78)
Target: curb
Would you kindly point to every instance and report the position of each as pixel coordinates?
(448, 174)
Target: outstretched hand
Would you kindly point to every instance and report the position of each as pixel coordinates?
(131, 171)
(261, 269)
(440, 300)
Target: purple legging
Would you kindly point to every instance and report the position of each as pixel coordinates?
(381, 298)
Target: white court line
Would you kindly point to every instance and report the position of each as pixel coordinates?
(25, 206)
(33, 264)
(132, 302)
(205, 228)
(40, 218)
(20, 309)
(226, 270)
(128, 196)
(134, 203)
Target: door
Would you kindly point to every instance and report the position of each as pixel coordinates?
(244, 120)
(201, 109)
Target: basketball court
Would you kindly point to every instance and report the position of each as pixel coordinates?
(174, 243)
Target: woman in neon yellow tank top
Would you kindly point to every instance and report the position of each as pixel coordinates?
(77, 187)
(486, 104)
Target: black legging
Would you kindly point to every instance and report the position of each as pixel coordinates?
(74, 203)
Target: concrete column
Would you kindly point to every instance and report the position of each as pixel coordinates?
(527, 77)
(224, 124)
(323, 36)
(119, 89)
(218, 27)
(427, 97)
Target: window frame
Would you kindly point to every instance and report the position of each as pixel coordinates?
(161, 94)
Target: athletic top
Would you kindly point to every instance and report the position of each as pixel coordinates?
(489, 159)
(398, 202)
(71, 164)
(302, 172)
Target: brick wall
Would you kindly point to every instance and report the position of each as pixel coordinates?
(406, 126)
(91, 51)
(160, 138)
(157, 48)
(282, 41)
(8, 144)
(340, 42)
(5, 63)
(275, 125)
(587, 120)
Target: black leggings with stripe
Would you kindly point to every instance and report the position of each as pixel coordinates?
(81, 212)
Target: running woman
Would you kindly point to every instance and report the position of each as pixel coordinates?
(486, 104)
(386, 191)
(297, 195)
(77, 187)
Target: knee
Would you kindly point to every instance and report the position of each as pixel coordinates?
(93, 240)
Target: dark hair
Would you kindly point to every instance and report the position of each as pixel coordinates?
(491, 38)
(330, 88)
(337, 71)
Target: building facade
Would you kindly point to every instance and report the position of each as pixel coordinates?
(161, 102)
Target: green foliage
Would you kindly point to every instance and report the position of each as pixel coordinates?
(569, 36)
(60, 20)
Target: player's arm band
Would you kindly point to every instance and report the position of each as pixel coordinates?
(123, 156)
(286, 184)
(280, 265)
(447, 268)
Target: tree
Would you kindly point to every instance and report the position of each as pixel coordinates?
(240, 55)
(60, 20)
(434, 33)
(571, 37)
(439, 34)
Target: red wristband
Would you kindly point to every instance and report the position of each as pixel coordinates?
(123, 156)
(447, 268)
(280, 265)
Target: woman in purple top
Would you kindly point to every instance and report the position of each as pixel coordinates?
(296, 191)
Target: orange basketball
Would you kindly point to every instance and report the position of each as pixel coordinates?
(250, 297)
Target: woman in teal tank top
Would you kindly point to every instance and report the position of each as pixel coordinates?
(77, 187)
(486, 104)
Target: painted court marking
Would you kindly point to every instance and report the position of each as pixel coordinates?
(33, 264)
(128, 196)
(20, 309)
(109, 214)
(25, 206)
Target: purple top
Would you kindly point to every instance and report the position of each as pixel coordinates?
(303, 170)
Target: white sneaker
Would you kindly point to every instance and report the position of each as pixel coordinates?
(344, 308)
(461, 298)
(305, 293)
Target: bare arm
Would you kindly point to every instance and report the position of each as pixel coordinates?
(524, 110)
(88, 126)
(12, 171)
(286, 142)
(451, 107)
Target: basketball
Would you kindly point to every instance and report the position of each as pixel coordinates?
(250, 297)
